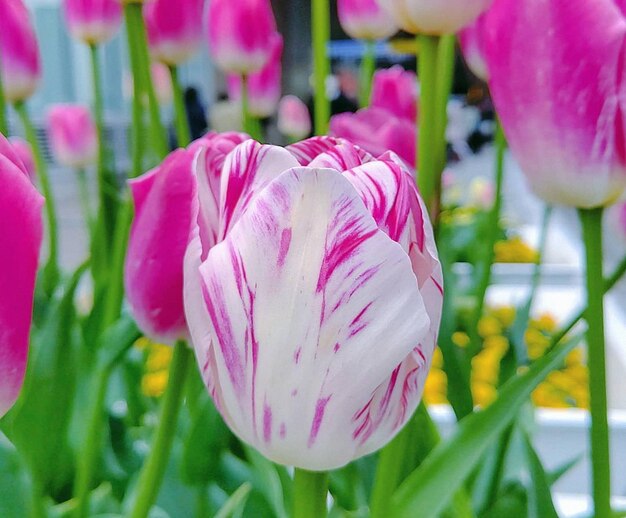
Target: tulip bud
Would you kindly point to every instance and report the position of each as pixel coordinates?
(365, 20)
(434, 17)
(24, 152)
(240, 34)
(73, 136)
(162, 81)
(174, 29)
(558, 85)
(395, 90)
(19, 54)
(93, 21)
(294, 120)
(472, 43)
(21, 231)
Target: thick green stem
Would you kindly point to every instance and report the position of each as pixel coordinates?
(250, 124)
(320, 24)
(51, 270)
(4, 124)
(183, 135)
(83, 194)
(152, 474)
(368, 67)
(310, 491)
(600, 455)
(446, 54)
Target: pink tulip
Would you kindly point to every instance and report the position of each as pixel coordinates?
(174, 29)
(472, 43)
(558, 84)
(314, 318)
(19, 63)
(377, 130)
(162, 81)
(365, 20)
(163, 201)
(25, 154)
(395, 90)
(240, 34)
(21, 231)
(264, 86)
(73, 135)
(294, 119)
(93, 21)
(434, 16)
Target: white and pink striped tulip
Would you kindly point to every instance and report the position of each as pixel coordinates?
(558, 80)
(93, 21)
(21, 231)
(314, 317)
(73, 135)
(365, 20)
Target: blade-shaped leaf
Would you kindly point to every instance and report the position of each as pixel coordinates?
(540, 503)
(235, 504)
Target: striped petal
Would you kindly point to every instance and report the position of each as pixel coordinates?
(307, 150)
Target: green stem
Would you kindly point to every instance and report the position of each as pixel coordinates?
(368, 67)
(250, 124)
(83, 194)
(51, 270)
(320, 23)
(498, 470)
(310, 491)
(4, 125)
(152, 474)
(183, 134)
(600, 455)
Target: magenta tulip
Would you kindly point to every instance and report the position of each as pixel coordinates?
(395, 90)
(264, 86)
(174, 29)
(24, 152)
(21, 231)
(19, 54)
(365, 20)
(558, 84)
(93, 21)
(473, 45)
(73, 136)
(314, 318)
(294, 120)
(240, 34)
(434, 16)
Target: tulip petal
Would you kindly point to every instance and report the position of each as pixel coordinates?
(307, 150)
(8, 151)
(311, 306)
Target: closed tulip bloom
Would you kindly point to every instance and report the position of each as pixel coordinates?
(264, 86)
(19, 64)
(558, 84)
(365, 20)
(162, 81)
(240, 34)
(294, 120)
(314, 317)
(21, 231)
(72, 134)
(395, 90)
(174, 29)
(24, 152)
(471, 39)
(93, 21)
(434, 16)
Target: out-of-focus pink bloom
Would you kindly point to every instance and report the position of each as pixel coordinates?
(341, 254)
(434, 16)
(73, 136)
(559, 86)
(174, 29)
(365, 20)
(25, 154)
(164, 198)
(482, 193)
(377, 130)
(264, 86)
(395, 90)
(240, 34)
(93, 21)
(294, 120)
(20, 67)
(472, 43)
(21, 231)
(162, 83)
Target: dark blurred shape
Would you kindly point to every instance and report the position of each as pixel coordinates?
(196, 113)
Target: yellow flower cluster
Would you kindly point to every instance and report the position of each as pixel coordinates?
(563, 388)
(515, 250)
(158, 358)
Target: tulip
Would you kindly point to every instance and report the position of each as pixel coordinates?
(240, 34)
(472, 43)
(434, 17)
(314, 317)
(73, 135)
(395, 90)
(174, 29)
(93, 21)
(264, 86)
(294, 119)
(21, 231)
(365, 20)
(559, 88)
(162, 81)
(25, 154)
(19, 64)
(159, 234)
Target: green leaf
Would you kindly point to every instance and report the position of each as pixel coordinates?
(429, 489)
(14, 484)
(540, 503)
(555, 475)
(512, 501)
(235, 504)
